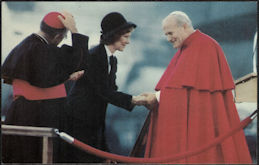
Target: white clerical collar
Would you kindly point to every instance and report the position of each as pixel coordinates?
(42, 38)
(109, 53)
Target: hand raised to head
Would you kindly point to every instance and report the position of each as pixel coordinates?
(68, 21)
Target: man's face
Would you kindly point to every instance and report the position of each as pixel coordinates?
(175, 34)
(122, 42)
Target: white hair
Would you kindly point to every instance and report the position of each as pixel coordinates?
(181, 18)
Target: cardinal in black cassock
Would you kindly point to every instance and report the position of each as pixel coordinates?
(37, 70)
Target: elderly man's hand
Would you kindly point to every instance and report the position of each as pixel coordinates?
(68, 22)
(151, 100)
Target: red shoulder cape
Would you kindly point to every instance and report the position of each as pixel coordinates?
(200, 64)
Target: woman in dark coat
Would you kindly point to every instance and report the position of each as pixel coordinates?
(91, 94)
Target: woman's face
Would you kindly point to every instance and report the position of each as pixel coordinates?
(121, 43)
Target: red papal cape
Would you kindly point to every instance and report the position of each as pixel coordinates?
(196, 105)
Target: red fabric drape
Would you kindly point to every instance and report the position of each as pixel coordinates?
(196, 105)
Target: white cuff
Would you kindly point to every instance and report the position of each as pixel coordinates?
(158, 96)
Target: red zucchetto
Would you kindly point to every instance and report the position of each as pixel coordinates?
(52, 20)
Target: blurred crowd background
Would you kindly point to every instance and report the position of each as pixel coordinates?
(233, 24)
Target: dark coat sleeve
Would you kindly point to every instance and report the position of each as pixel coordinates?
(45, 65)
(56, 64)
(98, 76)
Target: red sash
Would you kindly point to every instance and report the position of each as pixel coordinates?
(23, 88)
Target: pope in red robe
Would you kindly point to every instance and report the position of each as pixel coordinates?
(196, 103)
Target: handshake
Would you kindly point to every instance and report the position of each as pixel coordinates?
(149, 100)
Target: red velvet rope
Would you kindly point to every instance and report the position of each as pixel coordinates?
(164, 159)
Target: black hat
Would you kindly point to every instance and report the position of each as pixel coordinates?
(114, 22)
